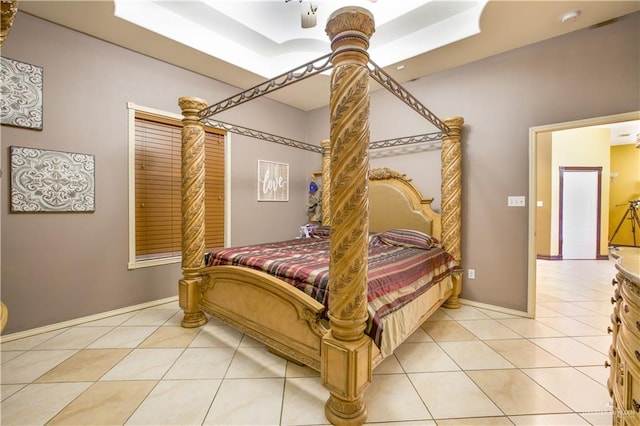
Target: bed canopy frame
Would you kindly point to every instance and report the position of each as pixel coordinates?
(346, 361)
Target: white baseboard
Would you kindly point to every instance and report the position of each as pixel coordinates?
(82, 320)
(494, 308)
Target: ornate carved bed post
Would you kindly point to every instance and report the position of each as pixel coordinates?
(193, 138)
(326, 182)
(346, 348)
(452, 199)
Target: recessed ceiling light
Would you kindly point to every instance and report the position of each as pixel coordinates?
(400, 67)
(570, 16)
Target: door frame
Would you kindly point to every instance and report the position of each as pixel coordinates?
(563, 170)
(533, 147)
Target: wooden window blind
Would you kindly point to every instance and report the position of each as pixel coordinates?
(157, 187)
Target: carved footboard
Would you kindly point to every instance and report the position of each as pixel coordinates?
(267, 309)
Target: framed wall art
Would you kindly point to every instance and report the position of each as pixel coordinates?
(21, 88)
(51, 181)
(273, 181)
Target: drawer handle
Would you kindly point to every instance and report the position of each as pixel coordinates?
(626, 309)
(609, 330)
(636, 405)
(614, 282)
(606, 364)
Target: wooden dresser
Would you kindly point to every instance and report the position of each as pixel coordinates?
(624, 354)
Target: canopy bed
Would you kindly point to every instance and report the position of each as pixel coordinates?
(367, 212)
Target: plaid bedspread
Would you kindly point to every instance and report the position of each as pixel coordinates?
(396, 274)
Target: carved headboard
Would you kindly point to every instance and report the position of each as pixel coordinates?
(395, 203)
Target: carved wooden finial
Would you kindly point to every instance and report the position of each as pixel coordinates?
(350, 19)
(387, 173)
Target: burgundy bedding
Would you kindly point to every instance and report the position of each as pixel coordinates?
(398, 272)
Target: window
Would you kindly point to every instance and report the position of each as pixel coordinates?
(155, 185)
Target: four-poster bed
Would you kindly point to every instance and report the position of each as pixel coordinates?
(409, 276)
(356, 202)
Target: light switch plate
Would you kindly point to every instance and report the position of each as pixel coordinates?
(516, 201)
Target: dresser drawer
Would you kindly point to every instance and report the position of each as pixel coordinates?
(631, 345)
(628, 372)
(632, 406)
(632, 412)
(618, 375)
(612, 384)
(629, 314)
(629, 291)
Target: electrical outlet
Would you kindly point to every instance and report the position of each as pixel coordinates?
(471, 273)
(515, 201)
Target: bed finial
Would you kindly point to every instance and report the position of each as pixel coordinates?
(387, 173)
(193, 138)
(349, 29)
(346, 347)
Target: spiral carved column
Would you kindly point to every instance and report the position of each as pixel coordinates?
(193, 138)
(326, 182)
(346, 348)
(452, 199)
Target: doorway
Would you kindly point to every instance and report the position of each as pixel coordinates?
(535, 133)
(580, 201)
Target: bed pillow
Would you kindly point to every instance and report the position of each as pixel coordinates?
(320, 232)
(408, 238)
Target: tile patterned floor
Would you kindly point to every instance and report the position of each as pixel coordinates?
(468, 366)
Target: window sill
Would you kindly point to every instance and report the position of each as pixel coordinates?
(137, 264)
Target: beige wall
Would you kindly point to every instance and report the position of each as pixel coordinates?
(625, 187)
(588, 147)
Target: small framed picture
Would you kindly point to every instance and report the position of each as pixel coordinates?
(273, 181)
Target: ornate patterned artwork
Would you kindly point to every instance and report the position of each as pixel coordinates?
(273, 181)
(51, 181)
(21, 90)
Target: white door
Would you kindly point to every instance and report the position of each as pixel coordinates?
(580, 214)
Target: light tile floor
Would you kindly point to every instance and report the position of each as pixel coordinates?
(468, 366)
